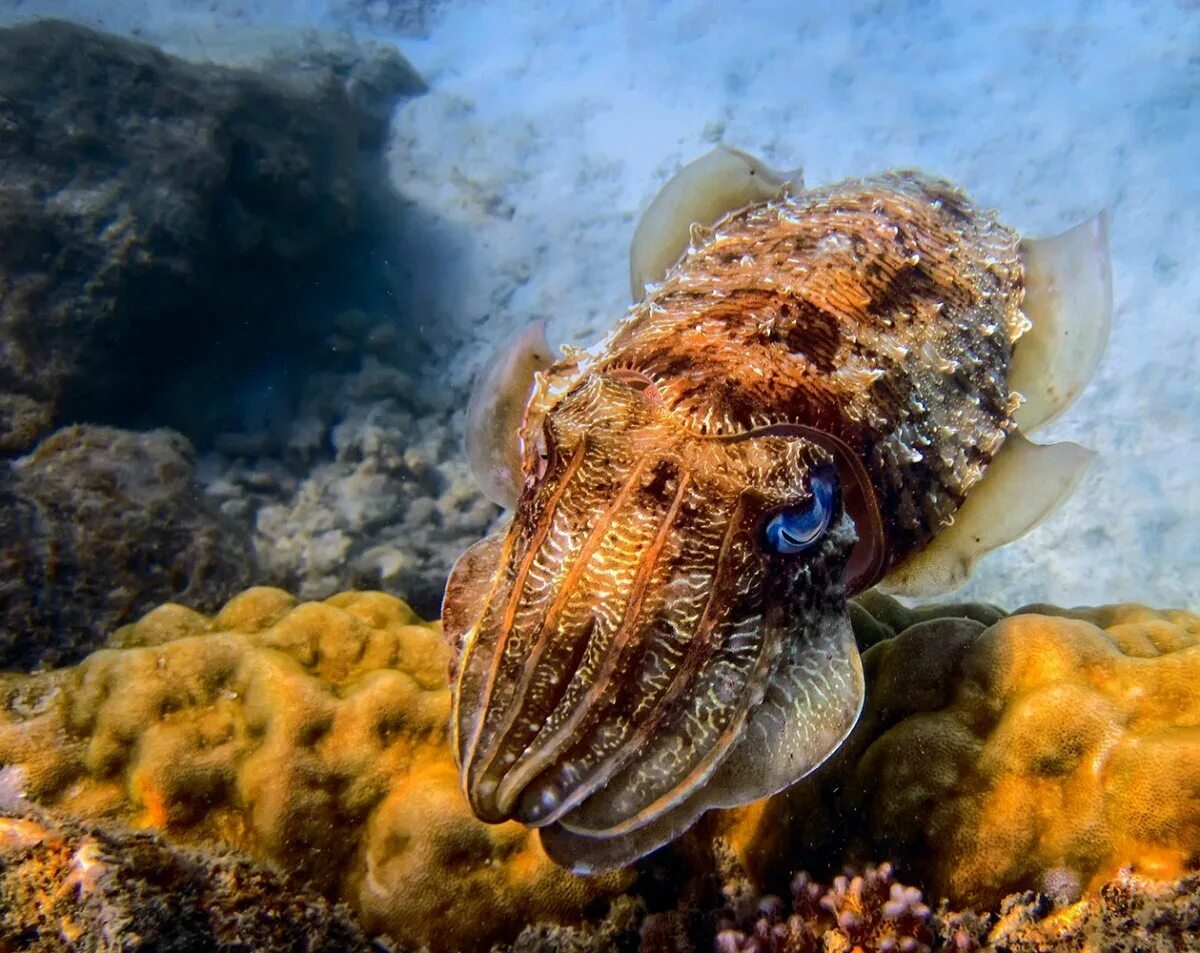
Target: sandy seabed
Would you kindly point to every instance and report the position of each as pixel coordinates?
(548, 126)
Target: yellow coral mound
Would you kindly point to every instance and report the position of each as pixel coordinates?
(1048, 750)
(310, 735)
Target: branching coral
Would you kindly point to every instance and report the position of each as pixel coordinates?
(311, 736)
(865, 912)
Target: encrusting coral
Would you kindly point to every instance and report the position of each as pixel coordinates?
(1046, 751)
(1129, 914)
(308, 735)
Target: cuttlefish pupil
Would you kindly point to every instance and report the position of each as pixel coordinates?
(795, 528)
(783, 421)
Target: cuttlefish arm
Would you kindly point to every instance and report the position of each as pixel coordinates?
(808, 707)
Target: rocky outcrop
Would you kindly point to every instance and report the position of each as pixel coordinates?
(96, 526)
(171, 228)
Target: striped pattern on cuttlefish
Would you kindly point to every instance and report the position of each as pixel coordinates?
(819, 391)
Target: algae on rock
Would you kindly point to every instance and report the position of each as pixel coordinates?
(98, 526)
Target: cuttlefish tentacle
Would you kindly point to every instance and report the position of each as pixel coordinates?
(819, 391)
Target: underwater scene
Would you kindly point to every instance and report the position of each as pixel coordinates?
(546, 477)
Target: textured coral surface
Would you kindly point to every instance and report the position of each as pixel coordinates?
(309, 735)
(1046, 751)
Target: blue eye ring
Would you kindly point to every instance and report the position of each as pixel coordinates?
(799, 526)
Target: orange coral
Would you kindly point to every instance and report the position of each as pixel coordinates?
(1049, 750)
(311, 735)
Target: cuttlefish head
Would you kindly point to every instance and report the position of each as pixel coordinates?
(661, 629)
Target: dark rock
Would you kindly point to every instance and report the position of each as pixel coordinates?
(68, 886)
(96, 527)
(373, 76)
(174, 233)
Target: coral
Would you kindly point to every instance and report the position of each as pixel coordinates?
(616, 931)
(1046, 751)
(865, 912)
(872, 912)
(97, 526)
(66, 886)
(312, 736)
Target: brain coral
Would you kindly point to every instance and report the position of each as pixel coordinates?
(1047, 750)
(311, 736)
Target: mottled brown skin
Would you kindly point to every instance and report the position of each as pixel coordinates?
(632, 650)
(882, 312)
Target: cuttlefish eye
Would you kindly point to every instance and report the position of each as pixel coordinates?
(798, 526)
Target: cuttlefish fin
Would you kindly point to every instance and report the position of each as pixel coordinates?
(495, 412)
(1023, 484)
(1068, 300)
(700, 193)
(810, 704)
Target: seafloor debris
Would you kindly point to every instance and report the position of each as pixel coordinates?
(97, 526)
(367, 488)
(1129, 914)
(66, 886)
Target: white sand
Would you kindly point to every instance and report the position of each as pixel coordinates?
(550, 125)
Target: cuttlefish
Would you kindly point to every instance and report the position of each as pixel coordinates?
(816, 392)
